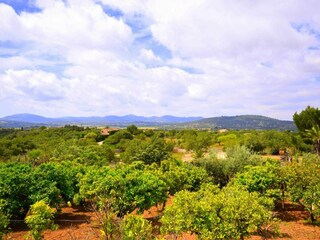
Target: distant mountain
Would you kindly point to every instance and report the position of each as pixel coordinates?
(232, 122)
(243, 122)
(25, 120)
(26, 117)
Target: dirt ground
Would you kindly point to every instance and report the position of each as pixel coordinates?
(74, 224)
(80, 224)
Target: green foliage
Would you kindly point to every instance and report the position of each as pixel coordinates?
(21, 185)
(130, 187)
(181, 176)
(197, 142)
(91, 135)
(307, 118)
(228, 140)
(308, 124)
(4, 217)
(215, 168)
(265, 180)
(136, 228)
(303, 184)
(313, 135)
(231, 213)
(133, 129)
(118, 136)
(34, 156)
(237, 158)
(14, 187)
(52, 182)
(40, 218)
(108, 221)
(149, 151)
(222, 171)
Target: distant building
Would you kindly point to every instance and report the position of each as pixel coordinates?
(107, 131)
(223, 130)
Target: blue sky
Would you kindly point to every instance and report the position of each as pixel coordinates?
(158, 57)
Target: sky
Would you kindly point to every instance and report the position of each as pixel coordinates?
(159, 57)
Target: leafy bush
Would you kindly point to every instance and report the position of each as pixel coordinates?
(40, 218)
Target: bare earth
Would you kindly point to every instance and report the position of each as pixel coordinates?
(81, 225)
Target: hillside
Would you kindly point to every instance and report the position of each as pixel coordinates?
(243, 122)
(230, 122)
(29, 120)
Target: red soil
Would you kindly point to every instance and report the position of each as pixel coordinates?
(81, 225)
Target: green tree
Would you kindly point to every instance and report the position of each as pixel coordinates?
(228, 140)
(107, 219)
(4, 217)
(307, 118)
(133, 129)
(14, 187)
(136, 228)
(265, 180)
(197, 142)
(237, 158)
(215, 168)
(313, 134)
(150, 151)
(303, 184)
(40, 218)
(308, 124)
(231, 213)
(180, 176)
(116, 137)
(131, 188)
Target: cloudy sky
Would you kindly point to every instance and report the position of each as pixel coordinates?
(156, 57)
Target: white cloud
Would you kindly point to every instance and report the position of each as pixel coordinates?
(37, 85)
(149, 56)
(228, 57)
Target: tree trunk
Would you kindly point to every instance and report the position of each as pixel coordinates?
(313, 219)
(317, 146)
(164, 205)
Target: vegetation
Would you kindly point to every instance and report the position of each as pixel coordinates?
(303, 184)
(4, 218)
(231, 213)
(39, 218)
(308, 124)
(227, 189)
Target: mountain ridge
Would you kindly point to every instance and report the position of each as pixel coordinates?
(228, 122)
(108, 119)
(245, 122)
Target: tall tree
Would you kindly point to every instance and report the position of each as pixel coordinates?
(314, 135)
(308, 124)
(308, 118)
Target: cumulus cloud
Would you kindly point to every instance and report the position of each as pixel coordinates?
(98, 57)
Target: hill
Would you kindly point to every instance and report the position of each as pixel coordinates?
(243, 122)
(230, 122)
(29, 120)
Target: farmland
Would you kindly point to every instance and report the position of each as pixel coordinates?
(136, 183)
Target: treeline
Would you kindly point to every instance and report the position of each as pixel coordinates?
(74, 143)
